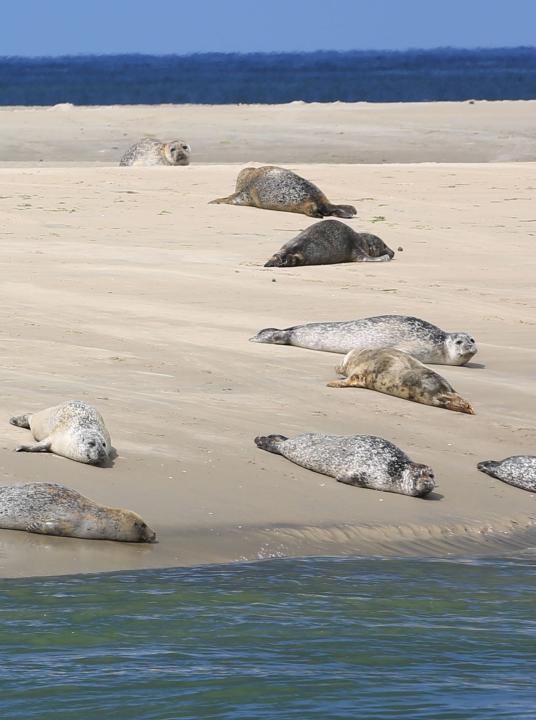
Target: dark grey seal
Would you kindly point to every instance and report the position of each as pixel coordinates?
(275, 188)
(418, 338)
(328, 242)
(361, 460)
(518, 470)
(50, 509)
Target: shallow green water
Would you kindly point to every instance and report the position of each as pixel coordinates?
(320, 638)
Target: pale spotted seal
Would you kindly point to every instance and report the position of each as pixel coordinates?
(275, 188)
(419, 338)
(149, 151)
(327, 242)
(361, 460)
(73, 429)
(396, 373)
(518, 470)
(51, 509)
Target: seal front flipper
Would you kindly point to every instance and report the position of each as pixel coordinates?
(353, 478)
(43, 446)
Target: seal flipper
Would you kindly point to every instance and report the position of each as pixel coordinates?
(489, 467)
(235, 199)
(352, 381)
(352, 478)
(43, 446)
(342, 211)
(270, 442)
(272, 335)
(22, 421)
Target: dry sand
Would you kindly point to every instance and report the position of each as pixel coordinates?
(125, 288)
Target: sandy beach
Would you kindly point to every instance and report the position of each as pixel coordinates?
(125, 288)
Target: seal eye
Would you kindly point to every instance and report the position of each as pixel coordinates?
(458, 342)
(91, 443)
(472, 340)
(184, 147)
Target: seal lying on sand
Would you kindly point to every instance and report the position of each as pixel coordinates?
(274, 188)
(330, 242)
(73, 429)
(360, 460)
(419, 338)
(396, 373)
(518, 470)
(50, 509)
(149, 151)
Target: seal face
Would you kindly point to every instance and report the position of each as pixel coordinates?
(51, 509)
(517, 470)
(275, 188)
(396, 373)
(330, 242)
(361, 460)
(419, 338)
(73, 429)
(149, 151)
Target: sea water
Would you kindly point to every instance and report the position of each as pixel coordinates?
(217, 78)
(316, 638)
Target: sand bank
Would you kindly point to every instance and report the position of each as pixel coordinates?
(123, 287)
(297, 132)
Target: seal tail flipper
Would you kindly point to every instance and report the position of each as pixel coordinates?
(229, 200)
(453, 401)
(489, 467)
(270, 442)
(43, 446)
(351, 381)
(272, 335)
(342, 211)
(22, 421)
(339, 383)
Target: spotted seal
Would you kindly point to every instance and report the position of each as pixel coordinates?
(73, 429)
(518, 470)
(52, 509)
(328, 242)
(149, 151)
(275, 188)
(396, 373)
(361, 460)
(419, 338)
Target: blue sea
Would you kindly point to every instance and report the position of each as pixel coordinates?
(275, 640)
(374, 76)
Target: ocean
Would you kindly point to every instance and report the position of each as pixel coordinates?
(214, 78)
(274, 640)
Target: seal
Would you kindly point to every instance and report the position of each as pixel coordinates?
(274, 188)
(394, 372)
(52, 509)
(419, 338)
(361, 460)
(149, 151)
(73, 429)
(517, 470)
(329, 242)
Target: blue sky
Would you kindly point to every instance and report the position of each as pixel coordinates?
(57, 27)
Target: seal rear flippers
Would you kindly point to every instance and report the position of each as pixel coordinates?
(229, 200)
(22, 421)
(453, 401)
(272, 335)
(43, 446)
(489, 467)
(342, 211)
(270, 442)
